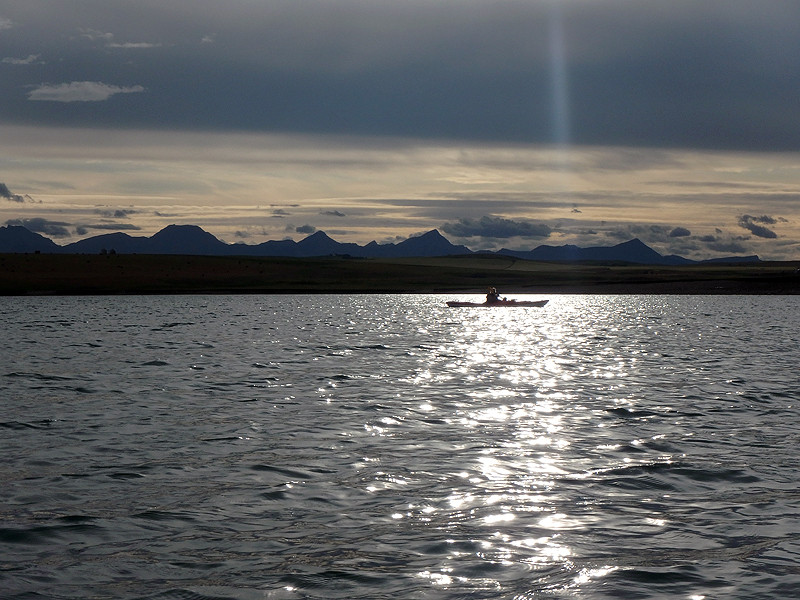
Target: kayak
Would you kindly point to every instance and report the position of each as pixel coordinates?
(457, 304)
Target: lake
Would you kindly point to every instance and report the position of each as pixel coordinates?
(385, 446)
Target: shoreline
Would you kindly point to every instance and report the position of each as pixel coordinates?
(129, 274)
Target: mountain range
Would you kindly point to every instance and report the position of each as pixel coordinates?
(191, 239)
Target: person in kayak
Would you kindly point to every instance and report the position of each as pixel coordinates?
(492, 297)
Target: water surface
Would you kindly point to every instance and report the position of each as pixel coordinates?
(196, 447)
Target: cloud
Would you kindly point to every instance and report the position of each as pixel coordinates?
(80, 91)
(766, 219)
(120, 213)
(39, 225)
(496, 227)
(6, 193)
(305, 229)
(5, 23)
(251, 231)
(93, 34)
(751, 223)
(333, 213)
(727, 246)
(648, 232)
(664, 73)
(133, 45)
(29, 60)
(84, 229)
(114, 227)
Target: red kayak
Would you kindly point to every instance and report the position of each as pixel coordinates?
(457, 304)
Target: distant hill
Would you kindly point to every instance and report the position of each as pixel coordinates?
(191, 239)
(633, 251)
(16, 238)
(431, 243)
(173, 239)
(119, 242)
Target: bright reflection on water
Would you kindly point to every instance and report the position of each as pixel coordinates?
(386, 446)
(565, 427)
(513, 391)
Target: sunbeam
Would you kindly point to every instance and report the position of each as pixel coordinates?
(559, 78)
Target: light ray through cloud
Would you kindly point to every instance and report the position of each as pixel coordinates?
(558, 74)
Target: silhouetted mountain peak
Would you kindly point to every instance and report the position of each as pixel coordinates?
(191, 239)
(185, 239)
(632, 251)
(634, 244)
(430, 236)
(319, 235)
(185, 232)
(320, 243)
(16, 238)
(175, 229)
(430, 243)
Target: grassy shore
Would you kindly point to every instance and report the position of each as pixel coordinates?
(40, 274)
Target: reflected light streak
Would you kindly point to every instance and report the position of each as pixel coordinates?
(558, 521)
(504, 517)
(556, 553)
(547, 466)
(514, 365)
(586, 575)
(437, 578)
(490, 468)
(458, 501)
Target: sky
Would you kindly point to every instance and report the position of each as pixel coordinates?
(501, 123)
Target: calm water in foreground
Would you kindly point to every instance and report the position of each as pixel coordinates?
(248, 447)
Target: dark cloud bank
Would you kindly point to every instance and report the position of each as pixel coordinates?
(755, 225)
(496, 227)
(678, 73)
(7, 194)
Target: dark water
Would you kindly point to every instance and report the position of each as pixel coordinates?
(388, 447)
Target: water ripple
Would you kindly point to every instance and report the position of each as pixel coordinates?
(385, 446)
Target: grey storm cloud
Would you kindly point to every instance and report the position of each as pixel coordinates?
(731, 246)
(496, 227)
(119, 213)
(8, 195)
(680, 232)
(56, 229)
(755, 225)
(650, 233)
(305, 229)
(84, 229)
(669, 73)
